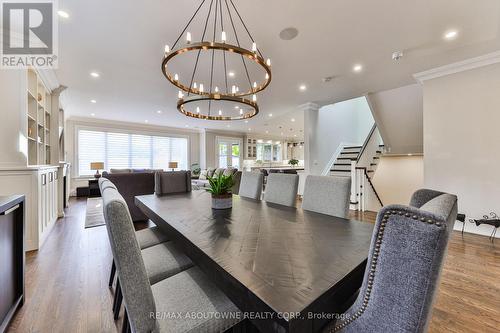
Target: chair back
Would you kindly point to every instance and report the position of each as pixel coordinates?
(105, 183)
(172, 182)
(327, 195)
(134, 282)
(282, 189)
(251, 185)
(404, 264)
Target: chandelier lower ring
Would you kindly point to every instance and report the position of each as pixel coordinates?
(216, 46)
(216, 97)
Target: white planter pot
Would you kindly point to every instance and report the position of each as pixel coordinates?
(222, 202)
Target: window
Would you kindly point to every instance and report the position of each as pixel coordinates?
(269, 151)
(126, 150)
(228, 153)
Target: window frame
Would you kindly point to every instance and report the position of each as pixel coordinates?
(97, 128)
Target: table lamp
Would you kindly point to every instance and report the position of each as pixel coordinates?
(97, 166)
(173, 165)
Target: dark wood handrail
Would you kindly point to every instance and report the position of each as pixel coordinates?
(365, 172)
(366, 142)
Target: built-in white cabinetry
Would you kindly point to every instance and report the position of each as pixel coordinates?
(29, 147)
(40, 186)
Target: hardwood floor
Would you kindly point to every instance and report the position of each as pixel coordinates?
(67, 291)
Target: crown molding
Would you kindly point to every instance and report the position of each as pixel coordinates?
(309, 107)
(457, 67)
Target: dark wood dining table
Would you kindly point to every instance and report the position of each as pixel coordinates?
(287, 269)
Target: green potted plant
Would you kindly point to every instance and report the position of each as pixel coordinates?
(220, 188)
(293, 162)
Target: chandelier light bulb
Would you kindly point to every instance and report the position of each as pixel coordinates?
(197, 109)
(223, 36)
(241, 111)
(267, 76)
(268, 62)
(176, 77)
(254, 98)
(255, 85)
(195, 86)
(220, 112)
(201, 87)
(216, 89)
(188, 37)
(233, 89)
(167, 49)
(180, 95)
(254, 47)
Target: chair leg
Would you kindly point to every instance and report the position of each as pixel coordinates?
(112, 275)
(118, 300)
(125, 325)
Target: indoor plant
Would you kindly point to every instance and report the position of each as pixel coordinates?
(293, 162)
(220, 188)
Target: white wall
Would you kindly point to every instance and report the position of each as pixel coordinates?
(397, 177)
(462, 140)
(13, 124)
(349, 121)
(70, 144)
(399, 116)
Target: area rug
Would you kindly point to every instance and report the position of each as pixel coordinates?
(94, 216)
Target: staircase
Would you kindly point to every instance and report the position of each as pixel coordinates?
(343, 164)
(360, 163)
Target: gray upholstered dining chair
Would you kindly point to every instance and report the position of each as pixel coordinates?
(168, 182)
(327, 195)
(282, 189)
(160, 256)
(404, 264)
(251, 185)
(149, 304)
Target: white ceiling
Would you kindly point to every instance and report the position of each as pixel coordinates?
(124, 40)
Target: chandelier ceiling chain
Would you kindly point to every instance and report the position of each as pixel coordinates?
(197, 93)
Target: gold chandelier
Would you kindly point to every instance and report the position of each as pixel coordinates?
(217, 103)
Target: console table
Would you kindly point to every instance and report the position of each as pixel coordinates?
(12, 257)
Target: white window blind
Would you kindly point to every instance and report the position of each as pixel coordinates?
(126, 150)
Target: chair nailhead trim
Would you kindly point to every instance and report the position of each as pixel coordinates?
(374, 261)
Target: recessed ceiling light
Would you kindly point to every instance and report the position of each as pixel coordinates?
(267, 132)
(159, 111)
(452, 34)
(357, 68)
(270, 115)
(249, 129)
(293, 120)
(236, 107)
(303, 87)
(410, 154)
(62, 13)
(92, 114)
(94, 74)
(281, 133)
(146, 121)
(231, 74)
(93, 101)
(228, 126)
(246, 121)
(187, 125)
(295, 135)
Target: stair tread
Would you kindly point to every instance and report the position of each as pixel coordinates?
(347, 158)
(337, 170)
